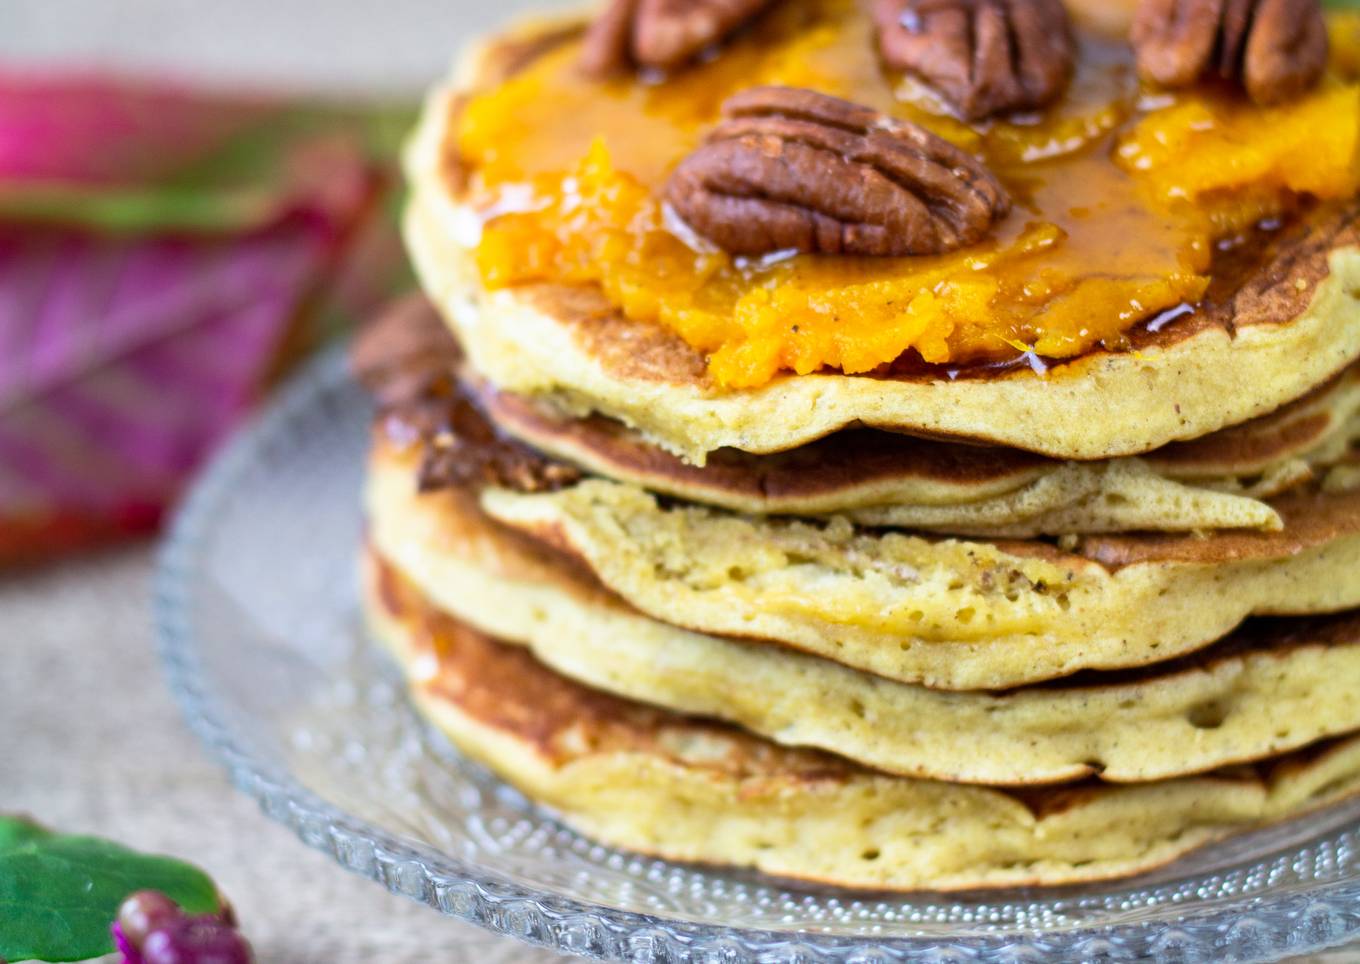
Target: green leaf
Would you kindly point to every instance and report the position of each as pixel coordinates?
(59, 894)
(138, 210)
(1341, 4)
(15, 831)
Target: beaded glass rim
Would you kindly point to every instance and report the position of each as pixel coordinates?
(1277, 893)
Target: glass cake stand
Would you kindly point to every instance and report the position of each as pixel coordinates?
(261, 635)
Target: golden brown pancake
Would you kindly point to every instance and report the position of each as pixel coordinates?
(671, 786)
(1273, 686)
(949, 613)
(886, 479)
(1288, 324)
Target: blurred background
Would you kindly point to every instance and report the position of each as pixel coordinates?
(351, 47)
(194, 197)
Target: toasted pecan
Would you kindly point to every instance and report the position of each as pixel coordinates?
(982, 56)
(1277, 49)
(660, 34)
(792, 169)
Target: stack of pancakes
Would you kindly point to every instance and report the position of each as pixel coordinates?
(910, 630)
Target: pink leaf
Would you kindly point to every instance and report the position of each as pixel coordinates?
(98, 130)
(123, 363)
(192, 241)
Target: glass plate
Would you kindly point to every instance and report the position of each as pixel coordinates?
(258, 617)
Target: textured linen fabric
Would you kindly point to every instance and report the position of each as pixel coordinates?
(93, 743)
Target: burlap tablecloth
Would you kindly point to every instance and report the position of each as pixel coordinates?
(91, 742)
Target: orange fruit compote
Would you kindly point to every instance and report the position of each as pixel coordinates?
(1120, 195)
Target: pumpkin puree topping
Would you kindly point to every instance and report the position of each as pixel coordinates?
(1121, 194)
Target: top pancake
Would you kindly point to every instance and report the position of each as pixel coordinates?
(1289, 325)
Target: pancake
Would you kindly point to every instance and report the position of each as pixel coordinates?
(1273, 687)
(886, 479)
(1287, 327)
(683, 789)
(1344, 476)
(949, 613)
(883, 479)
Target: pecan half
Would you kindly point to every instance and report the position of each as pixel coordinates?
(1276, 48)
(662, 34)
(797, 170)
(983, 56)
